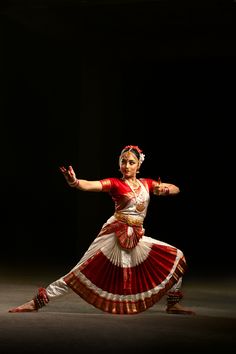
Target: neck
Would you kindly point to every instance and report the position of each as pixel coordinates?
(130, 179)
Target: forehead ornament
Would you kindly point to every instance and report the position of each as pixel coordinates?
(128, 148)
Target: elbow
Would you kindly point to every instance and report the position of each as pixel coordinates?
(175, 190)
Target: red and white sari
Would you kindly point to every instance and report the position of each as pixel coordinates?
(124, 271)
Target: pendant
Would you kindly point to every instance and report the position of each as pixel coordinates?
(140, 207)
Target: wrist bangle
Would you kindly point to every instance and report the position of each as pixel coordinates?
(74, 183)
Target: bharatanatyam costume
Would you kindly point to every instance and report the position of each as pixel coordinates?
(123, 271)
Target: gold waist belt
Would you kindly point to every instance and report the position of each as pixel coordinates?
(129, 219)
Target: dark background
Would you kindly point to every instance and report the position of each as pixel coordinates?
(81, 79)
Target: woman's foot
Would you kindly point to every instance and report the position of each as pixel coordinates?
(27, 307)
(179, 310)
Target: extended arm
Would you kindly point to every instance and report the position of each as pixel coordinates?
(82, 184)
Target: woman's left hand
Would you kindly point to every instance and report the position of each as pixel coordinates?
(161, 189)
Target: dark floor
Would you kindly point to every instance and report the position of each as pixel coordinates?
(71, 324)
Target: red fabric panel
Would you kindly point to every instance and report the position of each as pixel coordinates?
(143, 277)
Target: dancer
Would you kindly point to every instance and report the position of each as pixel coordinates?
(123, 271)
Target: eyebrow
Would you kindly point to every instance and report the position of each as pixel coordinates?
(124, 159)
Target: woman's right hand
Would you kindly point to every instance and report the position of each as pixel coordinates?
(69, 174)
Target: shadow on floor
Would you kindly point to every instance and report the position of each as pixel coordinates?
(69, 323)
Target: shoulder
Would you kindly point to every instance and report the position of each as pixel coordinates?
(148, 183)
(110, 183)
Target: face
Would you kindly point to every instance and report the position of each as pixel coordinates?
(129, 164)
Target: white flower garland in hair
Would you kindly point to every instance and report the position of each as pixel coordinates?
(141, 158)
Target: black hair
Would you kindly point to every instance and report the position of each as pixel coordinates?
(134, 151)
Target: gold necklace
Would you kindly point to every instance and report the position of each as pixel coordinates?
(134, 184)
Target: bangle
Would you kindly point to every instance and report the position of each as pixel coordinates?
(74, 183)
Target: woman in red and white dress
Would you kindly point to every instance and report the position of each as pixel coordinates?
(123, 271)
